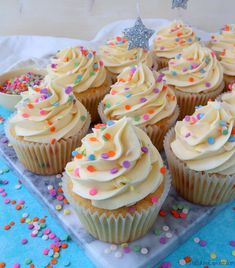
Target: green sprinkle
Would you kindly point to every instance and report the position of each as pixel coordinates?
(157, 232)
(136, 248)
(76, 64)
(107, 105)
(224, 131)
(83, 117)
(28, 261)
(92, 73)
(137, 118)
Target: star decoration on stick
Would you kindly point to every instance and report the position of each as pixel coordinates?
(138, 35)
(179, 4)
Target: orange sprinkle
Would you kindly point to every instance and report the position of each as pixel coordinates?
(111, 153)
(79, 156)
(151, 111)
(56, 249)
(164, 87)
(127, 107)
(233, 131)
(121, 80)
(13, 202)
(107, 136)
(35, 219)
(7, 227)
(2, 265)
(37, 89)
(187, 259)
(60, 190)
(48, 266)
(91, 168)
(66, 201)
(179, 34)
(49, 122)
(52, 141)
(64, 245)
(113, 92)
(18, 207)
(12, 223)
(53, 261)
(31, 265)
(30, 105)
(163, 169)
(66, 59)
(22, 220)
(93, 139)
(191, 79)
(42, 220)
(52, 129)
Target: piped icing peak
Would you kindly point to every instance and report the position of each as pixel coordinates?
(116, 166)
(195, 70)
(47, 114)
(77, 67)
(116, 55)
(205, 141)
(170, 40)
(141, 95)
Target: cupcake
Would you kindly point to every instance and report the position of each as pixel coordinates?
(141, 95)
(116, 56)
(196, 76)
(228, 62)
(229, 98)
(48, 125)
(170, 41)
(83, 71)
(201, 155)
(116, 182)
(224, 40)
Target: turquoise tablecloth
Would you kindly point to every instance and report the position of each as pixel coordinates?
(218, 233)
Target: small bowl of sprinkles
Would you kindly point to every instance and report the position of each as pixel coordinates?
(14, 82)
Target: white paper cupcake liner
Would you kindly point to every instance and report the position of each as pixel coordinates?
(198, 187)
(228, 80)
(188, 101)
(46, 159)
(118, 229)
(155, 132)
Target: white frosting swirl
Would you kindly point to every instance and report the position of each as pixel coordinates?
(195, 70)
(77, 67)
(205, 141)
(228, 61)
(170, 40)
(116, 166)
(46, 113)
(141, 95)
(116, 55)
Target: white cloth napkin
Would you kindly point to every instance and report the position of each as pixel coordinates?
(25, 51)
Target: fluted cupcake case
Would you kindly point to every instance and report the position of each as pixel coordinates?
(114, 227)
(155, 132)
(198, 187)
(92, 96)
(45, 158)
(188, 101)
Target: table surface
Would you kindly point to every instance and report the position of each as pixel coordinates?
(219, 234)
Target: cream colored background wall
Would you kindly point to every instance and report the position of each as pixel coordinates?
(72, 18)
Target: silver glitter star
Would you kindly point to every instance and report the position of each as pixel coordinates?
(138, 35)
(179, 3)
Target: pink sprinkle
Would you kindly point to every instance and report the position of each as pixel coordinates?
(101, 63)
(76, 172)
(21, 202)
(1, 190)
(93, 191)
(47, 231)
(194, 65)
(188, 135)
(43, 112)
(51, 235)
(25, 115)
(60, 197)
(4, 194)
(154, 199)
(45, 251)
(146, 117)
(194, 119)
(16, 265)
(7, 201)
(126, 250)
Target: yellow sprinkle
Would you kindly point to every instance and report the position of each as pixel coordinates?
(223, 262)
(132, 188)
(213, 255)
(56, 255)
(233, 253)
(58, 207)
(124, 245)
(28, 221)
(67, 211)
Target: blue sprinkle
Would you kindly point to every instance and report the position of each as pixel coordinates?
(128, 95)
(56, 104)
(222, 123)
(74, 153)
(95, 66)
(174, 73)
(231, 138)
(202, 71)
(91, 157)
(177, 39)
(110, 123)
(211, 140)
(178, 56)
(79, 77)
(89, 55)
(190, 40)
